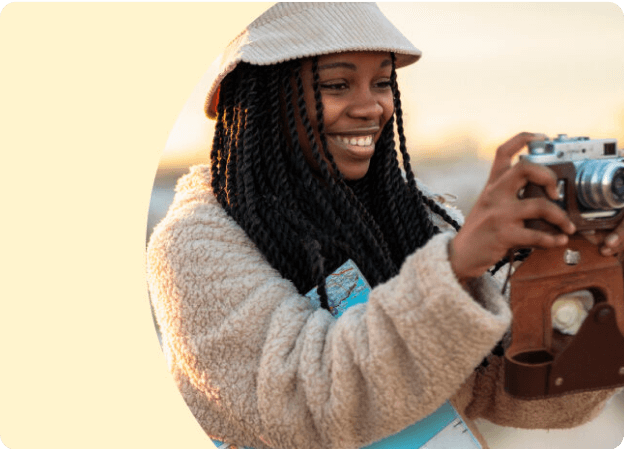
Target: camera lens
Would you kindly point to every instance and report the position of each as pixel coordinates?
(617, 185)
(600, 184)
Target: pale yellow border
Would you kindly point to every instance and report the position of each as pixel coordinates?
(89, 94)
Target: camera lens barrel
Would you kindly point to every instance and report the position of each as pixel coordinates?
(600, 183)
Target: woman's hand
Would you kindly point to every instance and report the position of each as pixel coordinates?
(496, 221)
(611, 242)
(614, 242)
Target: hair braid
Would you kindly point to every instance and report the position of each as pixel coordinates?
(231, 182)
(424, 224)
(216, 155)
(320, 122)
(436, 208)
(387, 203)
(263, 236)
(264, 171)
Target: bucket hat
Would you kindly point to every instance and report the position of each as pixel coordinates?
(293, 30)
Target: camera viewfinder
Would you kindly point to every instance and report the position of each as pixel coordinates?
(609, 149)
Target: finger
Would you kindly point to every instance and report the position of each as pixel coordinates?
(531, 238)
(614, 242)
(528, 172)
(541, 208)
(593, 236)
(506, 152)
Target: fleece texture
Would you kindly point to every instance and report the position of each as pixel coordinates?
(260, 366)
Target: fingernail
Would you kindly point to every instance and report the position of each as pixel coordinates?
(606, 251)
(612, 240)
(562, 239)
(572, 228)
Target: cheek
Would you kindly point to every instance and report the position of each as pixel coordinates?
(388, 107)
(332, 109)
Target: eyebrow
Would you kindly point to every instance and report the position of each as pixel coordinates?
(349, 66)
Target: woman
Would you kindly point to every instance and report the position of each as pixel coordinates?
(304, 177)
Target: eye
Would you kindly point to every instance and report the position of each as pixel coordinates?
(333, 85)
(384, 84)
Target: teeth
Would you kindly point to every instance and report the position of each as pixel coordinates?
(357, 141)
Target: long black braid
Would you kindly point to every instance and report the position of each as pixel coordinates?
(308, 222)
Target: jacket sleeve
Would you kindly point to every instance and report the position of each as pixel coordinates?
(260, 366)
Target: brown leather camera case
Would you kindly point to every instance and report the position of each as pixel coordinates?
(541, 362)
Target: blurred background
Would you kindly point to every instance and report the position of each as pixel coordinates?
(488, 71)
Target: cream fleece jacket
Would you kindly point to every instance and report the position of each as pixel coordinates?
(260, 366)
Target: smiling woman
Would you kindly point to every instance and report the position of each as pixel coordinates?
(310, 197)
(357, 102)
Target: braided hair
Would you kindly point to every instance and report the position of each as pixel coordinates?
(306, 221)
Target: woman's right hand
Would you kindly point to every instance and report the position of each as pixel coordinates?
(496, 222)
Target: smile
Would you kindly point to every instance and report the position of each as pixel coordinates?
(362, 141)
(354, 148)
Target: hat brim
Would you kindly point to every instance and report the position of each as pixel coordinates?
(289, 31)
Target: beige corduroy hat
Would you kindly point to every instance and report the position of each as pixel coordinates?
(293, 30)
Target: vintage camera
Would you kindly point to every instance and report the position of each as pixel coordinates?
(542, 361)
(590, 176)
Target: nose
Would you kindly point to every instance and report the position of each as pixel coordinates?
(366, 105)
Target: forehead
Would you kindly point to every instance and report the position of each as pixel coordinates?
(357, 58)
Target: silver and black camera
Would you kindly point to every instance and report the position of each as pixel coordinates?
(590, 176)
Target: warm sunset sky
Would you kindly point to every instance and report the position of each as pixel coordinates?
(488, 71)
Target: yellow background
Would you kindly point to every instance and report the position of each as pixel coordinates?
(88, 95)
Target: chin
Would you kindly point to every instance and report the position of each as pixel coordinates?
(353, 173)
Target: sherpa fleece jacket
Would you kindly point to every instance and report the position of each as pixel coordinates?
(260, 366)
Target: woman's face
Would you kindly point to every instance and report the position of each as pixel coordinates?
(357, 103)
